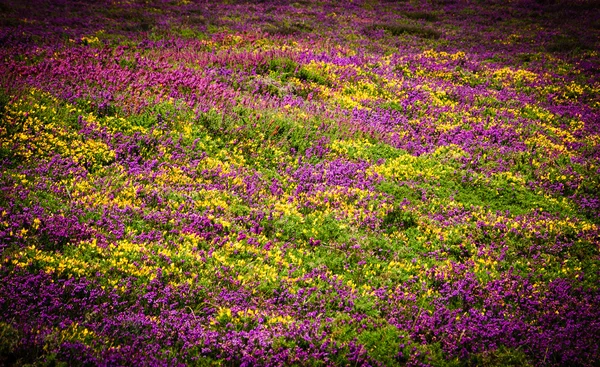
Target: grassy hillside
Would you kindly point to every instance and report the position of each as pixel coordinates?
(274, 183)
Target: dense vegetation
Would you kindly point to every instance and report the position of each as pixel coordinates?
(274, 183)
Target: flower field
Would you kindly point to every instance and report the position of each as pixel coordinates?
(310, 183)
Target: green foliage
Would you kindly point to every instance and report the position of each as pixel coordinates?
(342, 245)
(566, 44)
(382, 344)
(398, 191)
(421, 15)
(282, 65)
(4, 100)
(9, 338)
(501, 195)
(468, 77)
(312, 76)
(392, 105)
(500, 357)
(399, 29)
(398, 219)
(191, 33)
(286, 28)
(128, 64)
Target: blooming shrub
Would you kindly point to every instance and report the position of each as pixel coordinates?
(307, 183)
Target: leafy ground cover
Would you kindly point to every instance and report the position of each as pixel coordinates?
(304, 183)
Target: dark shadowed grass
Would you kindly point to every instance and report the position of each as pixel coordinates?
(566, 44)
(284, 29)
(398, 29)
(421, 15)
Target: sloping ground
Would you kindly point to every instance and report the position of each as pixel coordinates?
(299, 183)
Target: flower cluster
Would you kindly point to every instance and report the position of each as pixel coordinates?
(273, 184)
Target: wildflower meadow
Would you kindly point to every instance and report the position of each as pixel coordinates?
(299, 183)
